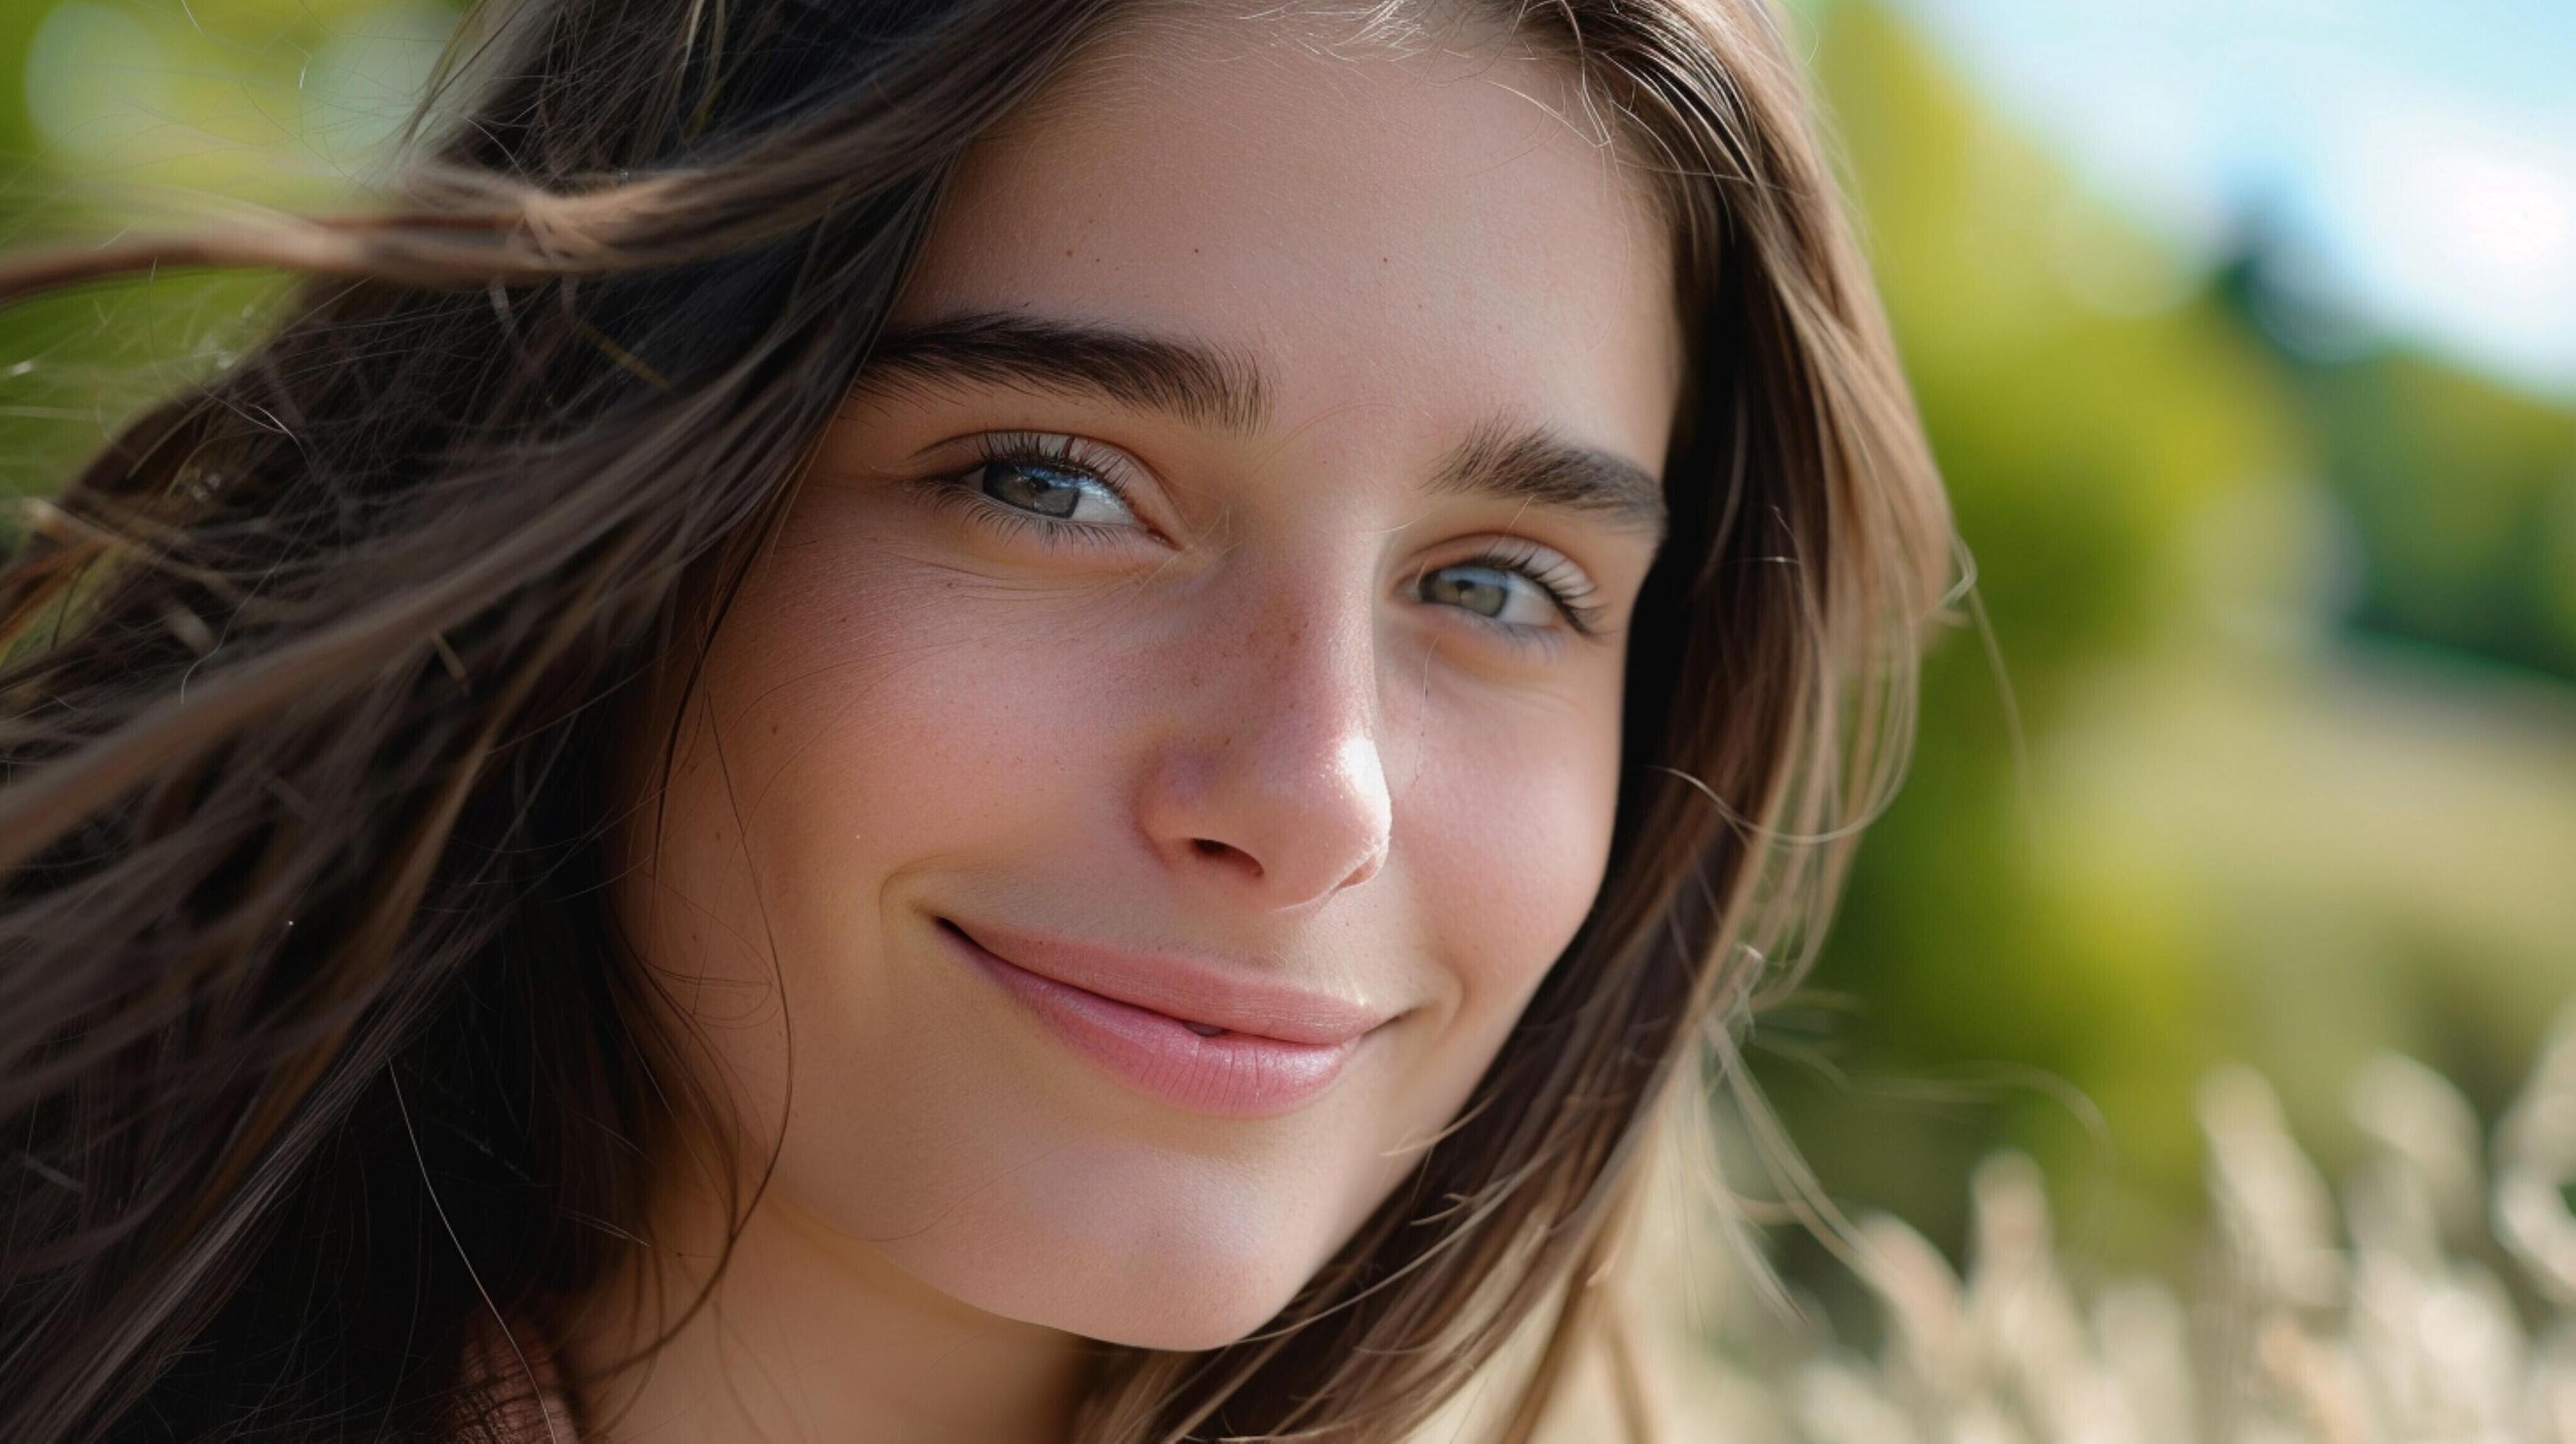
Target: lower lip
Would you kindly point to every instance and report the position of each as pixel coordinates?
(1229, 1075)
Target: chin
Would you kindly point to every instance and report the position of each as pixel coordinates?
(1213, 1318)
(1134, 1256)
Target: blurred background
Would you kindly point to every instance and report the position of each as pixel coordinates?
(2246, 333)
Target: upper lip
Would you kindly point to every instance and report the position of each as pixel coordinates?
(1195, 988)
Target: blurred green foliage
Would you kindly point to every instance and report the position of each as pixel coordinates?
(2272, 755)
(2278, 762)
(119, 114)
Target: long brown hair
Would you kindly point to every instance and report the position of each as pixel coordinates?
(317, 1051)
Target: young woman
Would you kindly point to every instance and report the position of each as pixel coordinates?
(999, 720)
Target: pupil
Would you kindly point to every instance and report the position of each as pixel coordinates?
(1478, 589)
(1031, 488)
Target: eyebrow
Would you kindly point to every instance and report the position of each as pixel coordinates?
(1195, 382)
(1536, 467)
(1212, 386)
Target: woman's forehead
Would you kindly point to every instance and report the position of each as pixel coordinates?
(1429, 230)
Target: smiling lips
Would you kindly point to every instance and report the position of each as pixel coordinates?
(1175, 1029)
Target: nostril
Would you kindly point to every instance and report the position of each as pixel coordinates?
(1211, 848)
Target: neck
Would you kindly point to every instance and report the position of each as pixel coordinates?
(811, 1335)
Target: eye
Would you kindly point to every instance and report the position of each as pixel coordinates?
(1058, 492)
(1518, 586)
(1491, 592)
(1057, 488)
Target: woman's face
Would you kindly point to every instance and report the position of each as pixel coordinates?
(1177, 724)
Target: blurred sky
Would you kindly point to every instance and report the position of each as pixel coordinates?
(2421, 154)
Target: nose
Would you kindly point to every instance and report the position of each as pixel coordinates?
(1266, 782)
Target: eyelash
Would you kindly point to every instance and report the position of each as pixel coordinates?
(1056, 452)
(1564, 583)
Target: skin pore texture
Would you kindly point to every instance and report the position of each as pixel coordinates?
(1224, 577)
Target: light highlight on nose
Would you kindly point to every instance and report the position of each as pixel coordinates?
(1270, 782)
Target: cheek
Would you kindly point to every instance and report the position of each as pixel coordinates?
(1511, 838)
(1508, 842)
(901, 708)
(860, 715)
